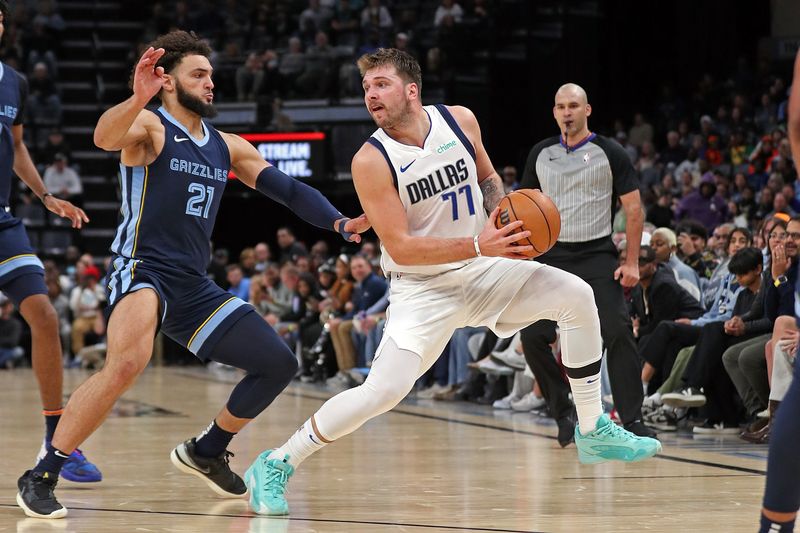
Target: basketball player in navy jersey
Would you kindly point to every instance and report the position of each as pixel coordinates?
(782, 493)
(21, 272)
(427, 185)
(174, 168)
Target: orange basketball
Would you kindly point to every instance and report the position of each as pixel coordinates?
(539, 215)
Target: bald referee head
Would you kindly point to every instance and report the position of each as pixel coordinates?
(571, 110)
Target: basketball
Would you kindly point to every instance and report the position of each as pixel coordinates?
(539, 214)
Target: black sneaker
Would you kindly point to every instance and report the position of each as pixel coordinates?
(566, 430)
(637, 428)
(215, 471)
(36, 496)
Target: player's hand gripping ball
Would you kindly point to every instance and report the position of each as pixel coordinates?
(539, 215)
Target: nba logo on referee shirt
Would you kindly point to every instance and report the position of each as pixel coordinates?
(586, 158)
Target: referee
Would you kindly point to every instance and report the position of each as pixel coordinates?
(585, 173)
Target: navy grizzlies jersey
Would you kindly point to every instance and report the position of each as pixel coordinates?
(169, 206)
(12, 87)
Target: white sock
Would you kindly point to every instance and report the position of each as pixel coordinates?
(301, 445)
(644, 387)
(586, 395)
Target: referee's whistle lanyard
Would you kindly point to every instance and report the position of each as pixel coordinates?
(577, 145)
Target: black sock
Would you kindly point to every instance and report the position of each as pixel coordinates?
(52, 462)
(768, 526)
(213, 442)
(51, 419)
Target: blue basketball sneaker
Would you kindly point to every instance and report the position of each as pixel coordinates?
(610, 442)
(77, 468)
(266, 480)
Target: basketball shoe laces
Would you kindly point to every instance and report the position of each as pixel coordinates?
(615, 432)
(275, 485)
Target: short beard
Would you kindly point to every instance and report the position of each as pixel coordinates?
(194, 104)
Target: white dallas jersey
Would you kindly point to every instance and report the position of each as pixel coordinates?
(438, 185)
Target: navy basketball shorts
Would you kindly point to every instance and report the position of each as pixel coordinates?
(21, 272)
(195, 312)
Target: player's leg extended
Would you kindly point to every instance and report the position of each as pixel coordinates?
(390, 379)
(782, 493)
(30, 292)
(130, 341)
(252, 345)
(553, 294)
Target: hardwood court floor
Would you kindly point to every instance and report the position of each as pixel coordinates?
(424, 467)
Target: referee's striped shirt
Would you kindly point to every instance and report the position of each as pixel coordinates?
(584, 181)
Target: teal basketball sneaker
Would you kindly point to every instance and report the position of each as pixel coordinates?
(266, 480)
(610, 442)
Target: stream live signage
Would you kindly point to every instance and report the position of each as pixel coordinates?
(300, 155)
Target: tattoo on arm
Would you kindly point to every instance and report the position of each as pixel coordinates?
(492, 194)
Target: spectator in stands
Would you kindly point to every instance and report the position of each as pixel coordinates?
(216, 268)
(691, 165)
(720, 237)
(673, 153)
(704, 204)
(641, 131)
(44, 104)
(341, 291)
(510, 181)
(660, 214)
(319, 254)
(61, 304)
(63, 181)
(401, 42)
(314, 19)
(247, 260)
(263, 256)
(40, 45)
(56, 144)
(292, 64)
(657, 298)
(250, 78)
(85, 301)
(268, 294)
(290, 247)
(239, 284)
(369, 288)
(704, 372)
(448, 9)
(664, 243)
(315, 80)
(345, 24)
(780, 205)
(10, 334)
(376, 17)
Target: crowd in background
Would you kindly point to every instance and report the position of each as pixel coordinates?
(712, 312)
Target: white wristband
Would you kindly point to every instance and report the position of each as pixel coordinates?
(477, 248)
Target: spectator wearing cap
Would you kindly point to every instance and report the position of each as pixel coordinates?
(61, 180)
(658, 297)
(704, 204)
(10, 334)
(84, 301)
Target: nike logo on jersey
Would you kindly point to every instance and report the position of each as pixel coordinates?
(592, 380)
(180, 139)
(404, 168)
(554, 158)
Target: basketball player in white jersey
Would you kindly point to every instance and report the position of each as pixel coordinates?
(426, 184)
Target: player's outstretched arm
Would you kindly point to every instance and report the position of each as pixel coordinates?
(307, 202)
(26, 170)
(127, 124)
(381, 203)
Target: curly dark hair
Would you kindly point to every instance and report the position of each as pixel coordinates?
(177, 45)
(407, 67)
